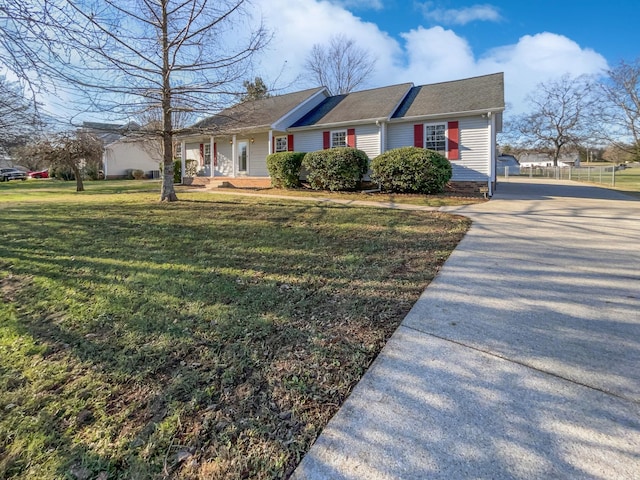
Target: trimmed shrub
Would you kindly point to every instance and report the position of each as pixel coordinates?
(411, 170)
(284, 168)
(137, 174)
(62, 173)
(177, 171)
(336, 168)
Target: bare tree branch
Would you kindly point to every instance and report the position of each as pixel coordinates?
(341, 66)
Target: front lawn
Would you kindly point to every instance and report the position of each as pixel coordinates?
(209, 338)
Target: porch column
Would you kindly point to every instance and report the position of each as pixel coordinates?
(183, 159)
(233, 156)
(212, 159)
(271, 149)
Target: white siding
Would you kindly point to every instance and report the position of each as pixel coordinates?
(193, 153)
(258, 151)
(368, 140)
(122, 156)
(475, 150)
(225, 164)
(307, 141)
(399, 135)
(474, 142)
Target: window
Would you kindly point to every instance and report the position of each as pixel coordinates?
(339, 138)
(281, 144)
(178, 150)
(207, 154)
(435, 137)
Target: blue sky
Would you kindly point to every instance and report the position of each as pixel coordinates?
(426, 42)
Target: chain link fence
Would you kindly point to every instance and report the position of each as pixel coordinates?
(603, 175)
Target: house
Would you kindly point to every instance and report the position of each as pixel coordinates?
(531, 159)
(125, 150)
(125, 154)
(459, 118)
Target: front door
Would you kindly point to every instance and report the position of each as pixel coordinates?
(243, 155)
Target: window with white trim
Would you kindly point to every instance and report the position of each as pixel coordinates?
(435, 137)
(282, 144)
(178, 154)
(338, 138)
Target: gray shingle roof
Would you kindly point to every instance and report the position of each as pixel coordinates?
(364, 105)
(255, 114)
(470, 94)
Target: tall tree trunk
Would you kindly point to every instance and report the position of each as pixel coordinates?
(168, 191)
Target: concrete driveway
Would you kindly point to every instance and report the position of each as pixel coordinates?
(520, 361)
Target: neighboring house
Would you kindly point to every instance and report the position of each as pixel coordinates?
(460, 119)
(124, 150)
(545, 160)
(125, 154)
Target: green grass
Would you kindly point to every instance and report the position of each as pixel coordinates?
(628, 181)
(209, 338)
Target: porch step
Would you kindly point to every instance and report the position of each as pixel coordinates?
(229, 182)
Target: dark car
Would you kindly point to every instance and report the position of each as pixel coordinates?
(39, 174)
(7, 174)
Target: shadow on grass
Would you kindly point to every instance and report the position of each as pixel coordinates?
(219, 336)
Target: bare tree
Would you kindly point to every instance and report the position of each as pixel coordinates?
(560, 116)
(340, 65)
(621, 109)
(19, 120)
(124, 57)
(73, 151)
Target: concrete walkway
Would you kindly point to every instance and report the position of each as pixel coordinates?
(521, 360)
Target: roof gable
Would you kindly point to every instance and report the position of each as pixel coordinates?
(257, 113)
(467, 95)
(377, 103)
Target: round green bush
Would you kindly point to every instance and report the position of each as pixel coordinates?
(336, 168)
(284, 168)
(411, 170)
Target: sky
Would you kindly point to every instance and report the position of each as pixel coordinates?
(433, 41)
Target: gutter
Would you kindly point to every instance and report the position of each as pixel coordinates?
(466, 113)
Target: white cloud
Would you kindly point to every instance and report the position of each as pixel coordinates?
(460, 16)
(539, 58)
(297, 26)
(421, 55)
(360, 4)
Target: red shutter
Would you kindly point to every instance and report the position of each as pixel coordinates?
(326, 140)
(351, 137)
(202, 153)
(418, 135)
(453, 149)
(290, 143)
(215, 154)
(273, 144)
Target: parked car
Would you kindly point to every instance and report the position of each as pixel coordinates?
(7, 174)
(39, 174)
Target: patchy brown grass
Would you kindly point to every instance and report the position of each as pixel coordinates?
(211, 338)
